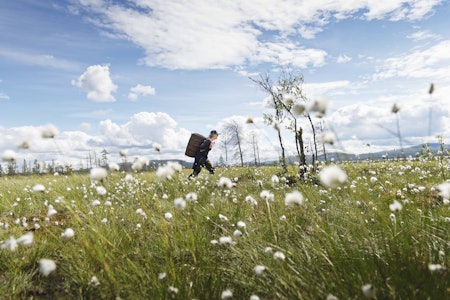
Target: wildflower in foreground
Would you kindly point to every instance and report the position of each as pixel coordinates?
(251, 200)
(114, 167)
(319, 106)
(444, 190)
(332, 176)
(10, 244)
(46, 266)
(298, 109)
(94, 281)
(68, 233)
(396, 206)
(98, 174)
(156, 147)
(179, 203)
(278, 255)
(191, 197)
(38, 188)
(259, 270)
(227, 294)
(435, 267)
(225, 182)
(368, 291)
(328, 138)
(49, 131)
(26, 239)
(266, 195)
(225, 240)
(173, 290)
(51, 211)
(294, 198)
(9, 156)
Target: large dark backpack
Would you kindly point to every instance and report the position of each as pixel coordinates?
(193, 145)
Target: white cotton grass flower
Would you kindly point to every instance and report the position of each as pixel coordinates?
(24, 145)
(278, 255)
(46, 266)
(368, 291)
(191, 197)
(157, 147)
(168, 170)
(331, 297)
(9, 156)
(259, 270)
(237, 233)
(168, 216)
(223, 218)
(251, 200)
(395, 206)
(10, 244)
(288, 100)
(68, 233)
(101, 190)
(275, 179)
(241, 224)
(332, 176)
(328, 138)
(94, 281)
(27, 239)
(393, 218)
(254, 297)
(226, 294)
(51, 211)
(294, 198)
(276, 126)
(172, 290)
(98, 173)
(38, 188)
(319, 106)
(123, 153)
(162, 275)
(96, 202)
(225, 182)
(179, 203)
(435, 267)
(139, 163)
(395, 108)
(49, 131)
(444, 190)
(298, 109)
(113, 166)
(225, 240)
(266, 195)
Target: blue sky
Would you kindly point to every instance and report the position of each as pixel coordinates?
(124, 75)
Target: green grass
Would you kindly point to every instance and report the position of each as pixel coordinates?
(337, 241)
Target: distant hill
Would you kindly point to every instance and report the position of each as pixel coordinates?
(389, 154)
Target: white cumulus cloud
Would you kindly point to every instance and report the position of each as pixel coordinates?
(97, 82)
(140, 90)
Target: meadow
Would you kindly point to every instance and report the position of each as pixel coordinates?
(370, 230)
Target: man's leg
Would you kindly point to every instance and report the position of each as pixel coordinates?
(196, 170)
(209, 167)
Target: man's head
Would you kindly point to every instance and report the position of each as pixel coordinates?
(213, 134)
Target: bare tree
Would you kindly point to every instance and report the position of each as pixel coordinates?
(285, 97)
(225, 143)
(255, 148)
(265, 83)
(234, 132)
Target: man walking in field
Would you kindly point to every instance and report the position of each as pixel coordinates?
(201, 157)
